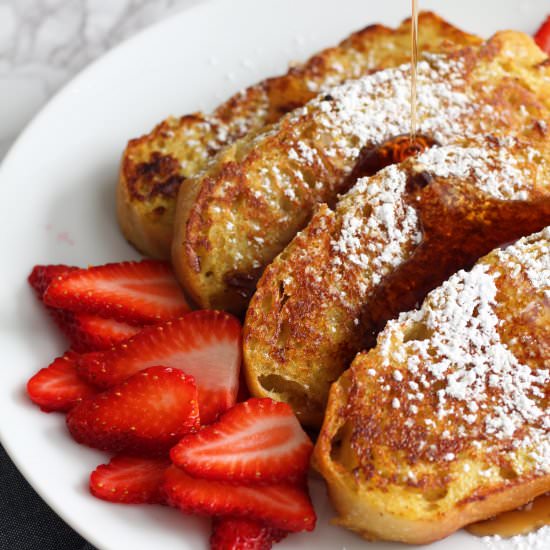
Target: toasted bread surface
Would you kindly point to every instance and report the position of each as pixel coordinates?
(445, 422)
(392, 238)
(232, 220)
(154, 166)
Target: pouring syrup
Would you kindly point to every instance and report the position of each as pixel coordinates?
(414, 67)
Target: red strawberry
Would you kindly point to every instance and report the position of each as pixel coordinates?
(42, 275)
(542, 38)
(40, 278)
(92, 332)
(259, 440)
(58, 387)
(281, 506)
(134, 292)
(243, 534)
(204, 344)
(148, 413)
(86, 332)
(130, 479)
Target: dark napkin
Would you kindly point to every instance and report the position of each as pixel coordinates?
(26, 521)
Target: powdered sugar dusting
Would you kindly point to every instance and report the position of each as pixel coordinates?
(531, 256)
(497, 172)
(370, 110)
(390, 223)
(208, 134)
(319, 144)
(461, 350)
(379, 225)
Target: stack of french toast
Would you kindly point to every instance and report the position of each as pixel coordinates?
(401, 308)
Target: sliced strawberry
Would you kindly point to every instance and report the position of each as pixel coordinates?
(204, 344)
(42, 275)
(134, 292)
(542, 38)
(243, 534)
(40, 278)
(148, 413)
(92, 332)
(58, 387)
(130, 479)
(86, 332)
(281, 506)
(257, 441)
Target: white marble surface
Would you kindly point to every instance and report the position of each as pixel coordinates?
(43, 43)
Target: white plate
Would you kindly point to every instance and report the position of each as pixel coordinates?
(57, 205)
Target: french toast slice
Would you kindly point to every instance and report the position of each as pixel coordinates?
(154, 166)
(233, 219)
(445, 422)
(392, 238)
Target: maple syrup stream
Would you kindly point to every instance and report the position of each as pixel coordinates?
(414, 64)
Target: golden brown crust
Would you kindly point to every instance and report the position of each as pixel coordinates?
(178, 148)
(234, 218)
(366, 513)
(314, 309)
(152, 169)
(419, 468)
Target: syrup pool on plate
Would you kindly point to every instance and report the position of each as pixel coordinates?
(517, 522)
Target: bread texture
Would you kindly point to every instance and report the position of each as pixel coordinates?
(234, 218)
(155, 165)
(392, 238)
(445, 422)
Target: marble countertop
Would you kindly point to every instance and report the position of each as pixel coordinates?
(43, 43)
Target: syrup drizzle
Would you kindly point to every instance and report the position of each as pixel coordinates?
(516, 522)
(414, 65)
(392, 151)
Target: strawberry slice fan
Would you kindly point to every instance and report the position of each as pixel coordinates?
(258, 441)
(249, 469)
(130, 480)
(142, 376)
(137, 293)
(86, 331)
(203, 344)
(146, 414)
(59, 387)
